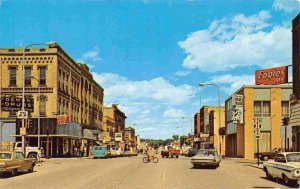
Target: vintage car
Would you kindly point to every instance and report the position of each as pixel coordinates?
(100, 152)
(206, 157)
(268, 155)
(14, 161)
(286, 166)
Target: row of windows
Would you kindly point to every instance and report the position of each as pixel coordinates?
(28, 76)
(263, 108)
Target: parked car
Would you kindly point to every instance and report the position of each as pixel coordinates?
(126, 153)
(206, 157)
(31, 152)
(100, 152)
(174, 153)
(164, 153)
(113, 152)
(191, 152)
(120, 152)
(286, 166)
(14, 162)
(268, 155)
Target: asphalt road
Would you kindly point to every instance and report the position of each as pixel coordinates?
(132, 173)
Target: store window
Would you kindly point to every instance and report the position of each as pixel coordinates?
(266, 108)
(257, 108)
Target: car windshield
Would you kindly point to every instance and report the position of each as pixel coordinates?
(206, 153)
(294, 157)
(5, 155)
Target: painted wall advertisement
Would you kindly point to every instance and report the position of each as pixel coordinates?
(237, 115)
(118, 137)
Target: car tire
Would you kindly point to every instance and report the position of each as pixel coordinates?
(31, 168)
(195, 166)
(176, 156)
(171, 156)
(14, 172)
(265, 158)
(268, 175)
(33, 155)
(286, 180)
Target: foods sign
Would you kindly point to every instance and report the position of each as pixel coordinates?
(272, 76)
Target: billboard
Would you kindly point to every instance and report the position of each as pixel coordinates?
(14, 104)
(62, 119)
(118, 136)
(272, 76)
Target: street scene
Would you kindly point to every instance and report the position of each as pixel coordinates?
(133, 173)
(178, 94)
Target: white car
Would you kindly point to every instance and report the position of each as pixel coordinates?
(119, 152)
(206, 157)
(286, 166)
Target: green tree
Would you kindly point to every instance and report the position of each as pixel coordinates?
(175, 137)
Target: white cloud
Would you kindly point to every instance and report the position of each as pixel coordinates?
(286, 5)
(235, 42)
(182, 73)
(234, 82)
(90, 56)
(157, 89)
(174, 113)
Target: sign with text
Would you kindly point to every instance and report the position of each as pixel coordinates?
(118, 136)
(272, 76)
(14, 104)
(62, 119)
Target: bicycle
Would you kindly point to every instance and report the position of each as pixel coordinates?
(148, 159)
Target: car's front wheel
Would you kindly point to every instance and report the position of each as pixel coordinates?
(286, 179)
(265, 158)
(14, 172)
(268, 175)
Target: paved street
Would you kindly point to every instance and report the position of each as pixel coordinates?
(133, 173)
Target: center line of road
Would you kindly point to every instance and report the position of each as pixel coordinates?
(164, 176)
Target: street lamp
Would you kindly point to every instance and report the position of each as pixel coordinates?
(23, 88)
(219, 104)
(191, 123)
(39, 116)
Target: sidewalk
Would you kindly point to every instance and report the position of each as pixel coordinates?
(251, 163)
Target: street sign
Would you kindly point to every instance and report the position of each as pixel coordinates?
(118, 137)
(22, 114)
(62, 119)
(22, 131)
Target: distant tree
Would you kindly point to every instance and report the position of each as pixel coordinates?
(175, 137)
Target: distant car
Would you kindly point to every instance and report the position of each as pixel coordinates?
(268, 155)
(120, 152)
(113, 152)
(206, 157)
(191, 152)
(286, 166)
(100, 152)
(14, 161)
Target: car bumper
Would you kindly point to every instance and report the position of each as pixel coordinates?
(201, 162)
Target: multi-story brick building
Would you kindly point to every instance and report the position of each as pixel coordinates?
(196, 143)
(266, 102)
(114, 122)
(57, 87)
(295, 97)
(209, 128)
(130, 137)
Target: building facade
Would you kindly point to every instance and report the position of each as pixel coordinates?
(268, 103)
(196, 143)
(114, 122)
(130, 139)
(295, 97)
(209, 128)
(60, 96)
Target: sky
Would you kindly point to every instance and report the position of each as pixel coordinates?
(150, 55)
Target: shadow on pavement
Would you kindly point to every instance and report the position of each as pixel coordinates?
(279, 181)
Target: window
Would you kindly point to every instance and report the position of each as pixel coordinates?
(12, 76)
(27, 75)
(285, 108)
(262, 108)
(266, 108)
(42, 75)
(42, 105)
(257, 108)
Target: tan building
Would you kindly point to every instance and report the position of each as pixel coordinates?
(130, 138)
(266, 102)
(196, 143)
(114, 122)
(59, 89)
(209, 128)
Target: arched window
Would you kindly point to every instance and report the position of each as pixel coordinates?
(42, 105)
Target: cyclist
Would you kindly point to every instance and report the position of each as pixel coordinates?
(150, 152)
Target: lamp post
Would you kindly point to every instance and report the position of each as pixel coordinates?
(219, 104)
(39, 116)
(191, 122)
(23, 88)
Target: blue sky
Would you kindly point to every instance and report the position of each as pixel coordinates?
(149, 55)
